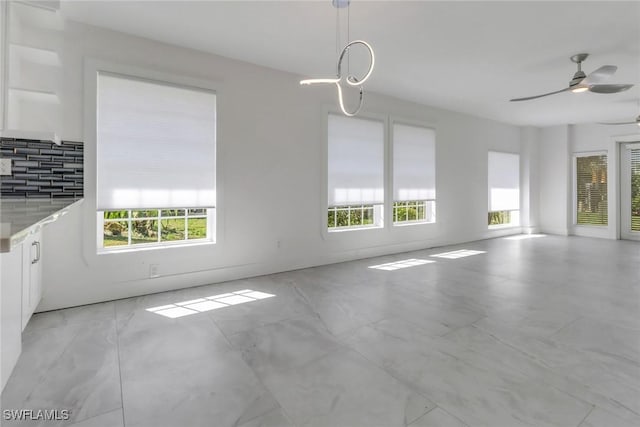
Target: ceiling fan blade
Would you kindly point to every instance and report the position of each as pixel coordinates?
(615, 124)
(600, 74)
(540, 96)
(614, 88)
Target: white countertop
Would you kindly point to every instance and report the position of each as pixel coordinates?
(21, 217)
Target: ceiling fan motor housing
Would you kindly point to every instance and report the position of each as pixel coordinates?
(577, 78)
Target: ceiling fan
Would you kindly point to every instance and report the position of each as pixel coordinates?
(582, 82)
(634, 122)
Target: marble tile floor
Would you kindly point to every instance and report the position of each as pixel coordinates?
(530, 332)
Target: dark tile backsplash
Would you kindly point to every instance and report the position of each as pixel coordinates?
(42, 169)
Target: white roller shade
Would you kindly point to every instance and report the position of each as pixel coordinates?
(156, 145)
(504, 181)
(414, 163)
(355, 161)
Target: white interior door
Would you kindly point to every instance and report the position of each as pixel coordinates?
(630, 191)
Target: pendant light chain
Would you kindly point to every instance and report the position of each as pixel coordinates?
(348, 37)
(337, 34)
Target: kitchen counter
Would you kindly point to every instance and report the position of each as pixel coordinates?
(21, 217)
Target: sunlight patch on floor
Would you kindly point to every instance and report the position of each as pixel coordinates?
(462, 253)
(524, 236)
(396, 265)
(200, 305)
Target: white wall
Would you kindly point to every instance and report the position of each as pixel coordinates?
(270, 139)
(553, 179)
(558, 146)
(529, 185)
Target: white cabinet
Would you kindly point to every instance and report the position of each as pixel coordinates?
(10, 311)
(21, 277)
(20, 293)
(31, 275)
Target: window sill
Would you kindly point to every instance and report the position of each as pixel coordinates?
(346, 229)
(410, 223)
(153, 247)
(503, 226)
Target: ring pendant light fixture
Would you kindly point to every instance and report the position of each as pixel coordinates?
(349, 79)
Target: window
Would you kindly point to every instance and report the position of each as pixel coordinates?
(634, 159)
(504, 189)
(414, 174)
(351, 216)
(156, 180)
(415, 211)
(591, 190)
(355, 173)
(152, 226)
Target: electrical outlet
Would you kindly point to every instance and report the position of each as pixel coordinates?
(153, 271)
(5, 166)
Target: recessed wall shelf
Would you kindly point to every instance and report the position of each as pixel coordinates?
(36, 55)
(32, 72)
(43, 15)
(33, 95)
(35, 135)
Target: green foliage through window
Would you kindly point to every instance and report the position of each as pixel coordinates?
(499, 217)
(350, 216)
(410, 211)
(153, 226)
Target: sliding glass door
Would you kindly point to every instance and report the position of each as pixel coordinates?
(630, 191)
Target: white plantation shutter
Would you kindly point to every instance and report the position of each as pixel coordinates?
(504, 181)
(635, 158)
(156, 145)
(634, 154)
(414, 163)
(591, 189)
(355, 161)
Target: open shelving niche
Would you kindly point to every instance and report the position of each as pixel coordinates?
(31, 70)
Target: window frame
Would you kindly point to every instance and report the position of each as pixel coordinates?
(349, 209)
(625, 173)
(424, 204)
(379, 209)
(208, 216)
(385, 209)
(90, 238)
(574, 188)
(513, 213)
(394, 120)
(518, 211)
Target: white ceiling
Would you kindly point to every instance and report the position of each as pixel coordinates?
(470, 57)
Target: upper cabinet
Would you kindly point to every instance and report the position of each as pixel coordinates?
(31, 69)
(3, 50)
